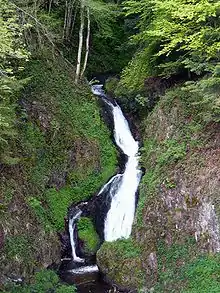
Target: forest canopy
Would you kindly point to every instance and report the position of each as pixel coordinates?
(173, 36)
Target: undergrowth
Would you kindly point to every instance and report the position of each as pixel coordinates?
(67, 138)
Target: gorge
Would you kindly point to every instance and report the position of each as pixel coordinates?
(121, 191)
(118, 189)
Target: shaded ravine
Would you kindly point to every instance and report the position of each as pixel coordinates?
(116, 215)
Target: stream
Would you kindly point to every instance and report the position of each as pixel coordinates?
(118, 215)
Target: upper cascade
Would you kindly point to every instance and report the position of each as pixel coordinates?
(119, 219)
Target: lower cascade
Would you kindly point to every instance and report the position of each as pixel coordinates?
(121, 191)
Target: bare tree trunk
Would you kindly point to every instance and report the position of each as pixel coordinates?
(50, 4)
(65, 19)
(74, 19)
(79, 57)
(87, 43)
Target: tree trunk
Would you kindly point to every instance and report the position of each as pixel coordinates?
(87, 43)
(65, 19)
(50, 5)
(79, 57)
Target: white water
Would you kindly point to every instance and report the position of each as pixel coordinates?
(83, 270)
(72, 240)
(119, 219)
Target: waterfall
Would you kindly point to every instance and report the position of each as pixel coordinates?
(121, 188)
(119, 219)
(72, 227)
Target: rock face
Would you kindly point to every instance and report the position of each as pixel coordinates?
(179, 197)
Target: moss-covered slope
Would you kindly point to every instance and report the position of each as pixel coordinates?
(63, 154)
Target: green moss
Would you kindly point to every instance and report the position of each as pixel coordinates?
(124, 248)
(88, 234)
(111, 85)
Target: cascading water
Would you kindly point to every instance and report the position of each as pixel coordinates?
(72, 227)
(121, 188)
(112, 209)
(119, 219)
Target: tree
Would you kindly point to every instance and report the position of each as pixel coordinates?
(174, 35)
(100, 13)
(12, 56)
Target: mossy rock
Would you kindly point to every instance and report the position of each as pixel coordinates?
(120, 261)
(88, 235)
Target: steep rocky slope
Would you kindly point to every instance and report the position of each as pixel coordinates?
(62, 154)
(176, 231)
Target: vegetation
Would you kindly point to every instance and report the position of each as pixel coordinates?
(45, 281)
(88, 234)
(124, 248)
(174, 35)
(126, 253)
(180, 268)
(55, 149)
(12, 57)
(68, 135)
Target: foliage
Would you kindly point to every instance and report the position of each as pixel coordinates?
(12, 57)
(207, 99)
(203, 275)
(111, 85)
(174, 36)
(116, 260)
(40, 213)
(45, 281)
(88, 234)
(76, 133)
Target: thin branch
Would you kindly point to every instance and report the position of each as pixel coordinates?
(45, 33)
